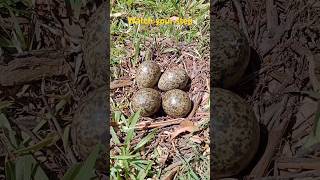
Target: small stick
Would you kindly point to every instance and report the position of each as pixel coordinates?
(313, 173)
(242, 20)
(120, 83)
(149, 125)
(274, 141)
(299, 163)
(196, 106)
(55, 121)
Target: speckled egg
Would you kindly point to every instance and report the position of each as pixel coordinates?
(148, 100)
(94, 47)
(230, 54)
(148, 74)
(89, 123)
(176, 103)
(175, 78)
(236, 133)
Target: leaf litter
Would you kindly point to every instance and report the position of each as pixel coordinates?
(284, 94)
(173, 134)
(36, 110)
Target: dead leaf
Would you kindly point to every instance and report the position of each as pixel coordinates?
(185, 126)
(186, 123)
(170, 175)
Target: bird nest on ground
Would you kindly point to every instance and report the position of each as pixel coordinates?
(177, 139)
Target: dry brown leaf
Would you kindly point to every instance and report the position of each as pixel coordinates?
(185, 126)
(170, 175)
(186, 123)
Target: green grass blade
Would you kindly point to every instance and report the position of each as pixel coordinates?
(114, 136)
(18, 32)
(65, 137)
(5, 104)
(39, 125)
(145, 140)
(124, 157)
(76, 7)
(87, 170)
(10, 170)
(49, 140)
(23, 167)
(26, 167)
(72, 172)
(117, 115)
(4, 123)
(39, 173)
(60, 106)
(5, 42)
(133, 121)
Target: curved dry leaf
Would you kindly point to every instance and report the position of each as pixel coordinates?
(185, 126)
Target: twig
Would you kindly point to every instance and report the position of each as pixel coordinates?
(25, 70)
(309, 174)
(270, 43)
(242, 20)
(195, 106)
(150, 125)
(298, 163)
(274, 140)
(274, 119)
(53, 118)
(314, 74)
(34, 137)
(120, 83)
(272, 17)
(50, 112)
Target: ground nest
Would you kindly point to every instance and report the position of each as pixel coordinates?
(174, 142)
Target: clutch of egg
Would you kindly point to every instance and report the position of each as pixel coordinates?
(175, 102)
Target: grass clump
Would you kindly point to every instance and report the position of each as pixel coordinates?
(127, 162)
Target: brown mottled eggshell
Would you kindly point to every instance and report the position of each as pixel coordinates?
(89, 123)
(236, 133)
(95, 47)
(230, 54)
(176, 103)
(149, 100)
(175, 78)
(148, 74)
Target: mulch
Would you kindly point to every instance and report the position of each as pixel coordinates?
(284, 37)
(173, 136)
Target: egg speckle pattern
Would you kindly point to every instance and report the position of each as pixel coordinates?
(230, 54)
(94, 47)
(148, 100)
(236, 133)
(88, 127)
(148, 74)
(176, 103)
(176, 78)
